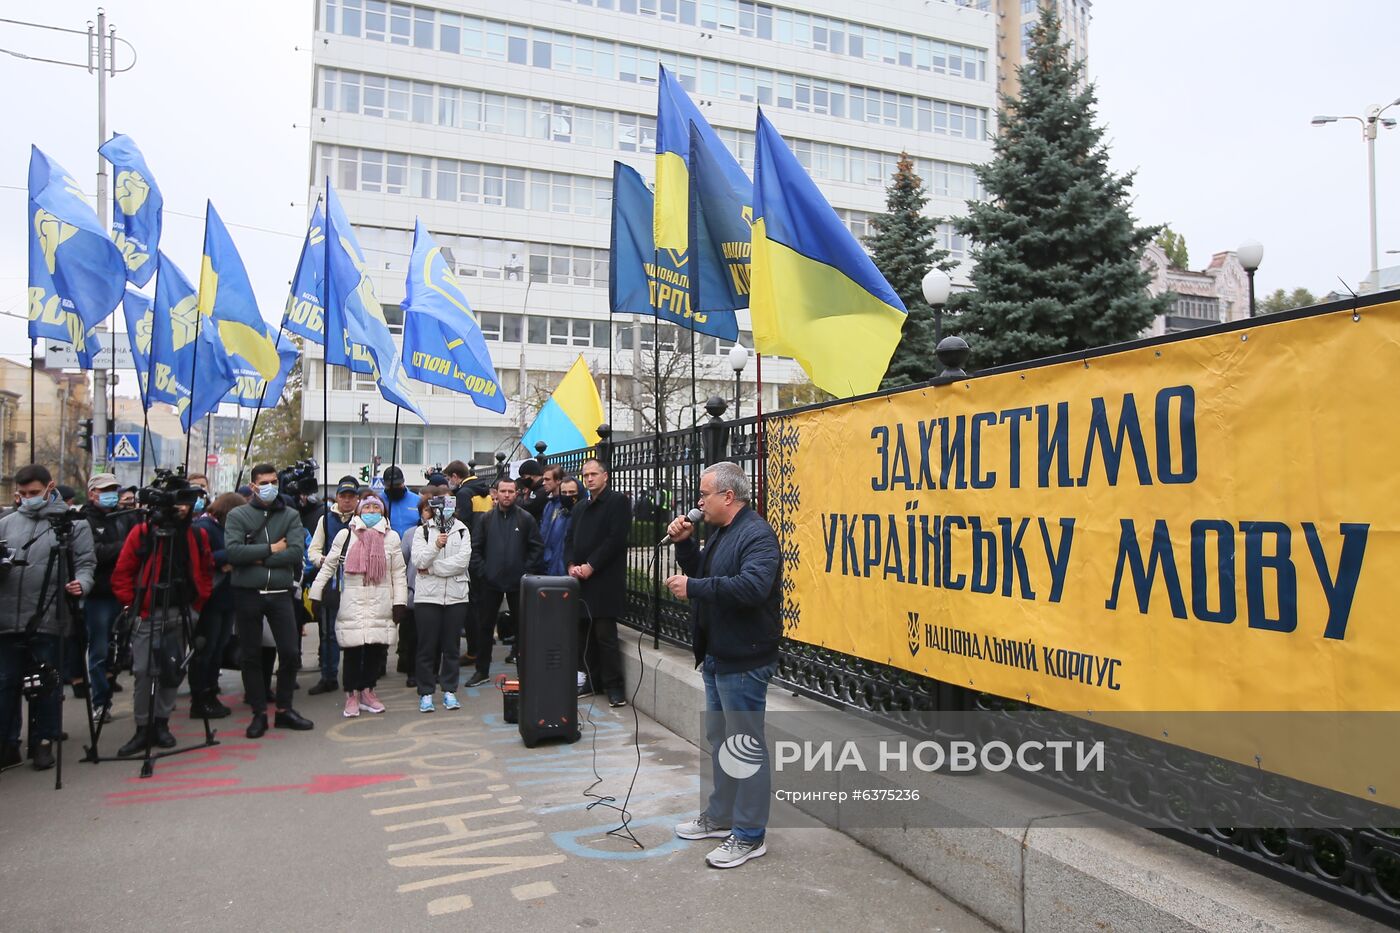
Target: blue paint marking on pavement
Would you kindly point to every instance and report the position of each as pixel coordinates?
(571, 841)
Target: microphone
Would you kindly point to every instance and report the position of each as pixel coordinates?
(693, 516)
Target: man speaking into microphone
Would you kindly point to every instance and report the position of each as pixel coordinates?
(734, 593)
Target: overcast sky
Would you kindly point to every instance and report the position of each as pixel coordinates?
(1207, 100)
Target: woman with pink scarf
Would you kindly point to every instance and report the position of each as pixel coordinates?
(368, 558)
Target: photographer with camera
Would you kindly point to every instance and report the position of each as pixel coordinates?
(442, 551)
(110, 526)
(264, 542)
(167, 582)
(32, 570)
(373, 603)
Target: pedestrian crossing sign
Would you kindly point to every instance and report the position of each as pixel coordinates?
(124, 448)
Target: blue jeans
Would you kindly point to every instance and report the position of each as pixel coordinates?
(14, 661)
(734, 706)
(100, 612)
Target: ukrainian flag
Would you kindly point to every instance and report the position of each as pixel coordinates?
(226, 300)
(570, 419)
(675, 112)
(816, 296)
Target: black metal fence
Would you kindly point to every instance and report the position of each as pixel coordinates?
(1357, 868)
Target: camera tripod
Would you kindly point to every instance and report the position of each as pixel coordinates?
(160, 533)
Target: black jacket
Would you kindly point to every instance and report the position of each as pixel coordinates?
(472, 495)
(507, 547)
(735, 592)
(109, 532)
(597, 535)
(534, 502)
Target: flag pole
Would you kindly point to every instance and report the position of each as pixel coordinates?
(33, 346)
(656, 453)
(394, 448)
(208, 431)
(112, 404)
(762, 471)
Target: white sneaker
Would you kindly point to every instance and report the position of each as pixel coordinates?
(449, 700)
(425, 704)
(734, 852)
(702, 827)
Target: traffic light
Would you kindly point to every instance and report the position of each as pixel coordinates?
(85, 434)
(364, 413)
(364, 474)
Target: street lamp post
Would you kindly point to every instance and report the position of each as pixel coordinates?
(1370, 123)
(1250, 255)
(738, 359)
(936, 286)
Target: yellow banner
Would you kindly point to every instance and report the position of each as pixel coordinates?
(1203, 525)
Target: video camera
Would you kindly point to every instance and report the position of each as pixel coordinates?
(167, 489)
(299, 479)
(443, 509)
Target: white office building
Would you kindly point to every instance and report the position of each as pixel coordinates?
(498, 123)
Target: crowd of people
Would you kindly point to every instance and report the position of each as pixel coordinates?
(370, 570)
(256, 568)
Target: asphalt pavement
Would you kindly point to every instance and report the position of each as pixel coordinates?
(414, 821)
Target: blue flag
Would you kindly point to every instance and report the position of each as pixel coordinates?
(190, 370)
(305, 314)
(136, 208)
(442, 340)
(231, 314)
(76, 273)
(357, 334)
(644, 280)
(721, 228)
(136, 308)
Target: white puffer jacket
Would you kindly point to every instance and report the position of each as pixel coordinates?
(366, 615)
(442, 572)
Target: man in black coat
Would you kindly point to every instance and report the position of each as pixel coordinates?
(595, 551)
(507, 546)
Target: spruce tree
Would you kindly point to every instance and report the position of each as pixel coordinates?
(1057, 249)
(903, 247)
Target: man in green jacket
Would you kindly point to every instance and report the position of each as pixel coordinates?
(264, 543)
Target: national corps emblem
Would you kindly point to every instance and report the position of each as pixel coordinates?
(913, 634)
(131, 191)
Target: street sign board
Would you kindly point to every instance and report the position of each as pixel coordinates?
(124, 448)
(211, 460)
(61, 355)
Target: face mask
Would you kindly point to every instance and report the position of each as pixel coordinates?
(568, 501)
(108, 500)
(371, 519)
(34, 503)
(397, 492)
(199, 504)
(267, 493)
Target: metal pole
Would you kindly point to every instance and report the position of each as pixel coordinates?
(1250, 273)
(98, 58)
(762, 471)
(737, 374)
(1370, 133)
(937, 325)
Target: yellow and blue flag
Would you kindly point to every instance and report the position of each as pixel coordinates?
(357, 335)
(76, 273)
(675, 111)
(570, 419)
(645, 280)
(442, 340)
(721, 229)
(817, 297)
(231, 313)
(136, 208)
(305, 314)
(136, 308)
(189, 368)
